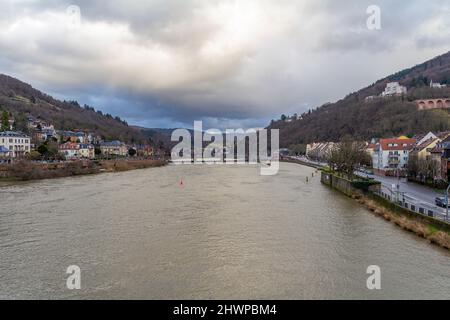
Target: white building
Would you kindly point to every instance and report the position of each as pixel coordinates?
(394, 89)
(392, 155)
(17, 143)
(437, 85)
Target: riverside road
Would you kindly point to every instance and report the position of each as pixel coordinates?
(420, 194)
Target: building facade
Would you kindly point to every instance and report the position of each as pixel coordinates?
(72, 150)
(113, 148)
(394, 89)
(17, 143)
(391, 156)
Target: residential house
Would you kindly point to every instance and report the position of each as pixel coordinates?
(443, 149)
(144, 150)
(86, 151)
(421, 138)
(116, 148)
(72, 150)
(72, 136)
(319, 151)
(422, 167)
(17, 143)
(69, 150)
(422, 149)
(391, 155)
(438, 160)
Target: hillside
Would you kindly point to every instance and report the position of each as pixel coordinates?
(21, 99)
(385, 117)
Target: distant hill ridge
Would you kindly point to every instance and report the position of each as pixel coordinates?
(388, 117)
(21, 99)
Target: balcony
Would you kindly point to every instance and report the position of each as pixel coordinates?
(393, 160)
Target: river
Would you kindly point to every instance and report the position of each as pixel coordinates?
(224, 233)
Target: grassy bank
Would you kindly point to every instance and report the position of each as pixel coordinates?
(27, 170)
(434, 231)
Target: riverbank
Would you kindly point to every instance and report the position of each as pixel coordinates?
(27, 170)
(303, 163)
(435, 231)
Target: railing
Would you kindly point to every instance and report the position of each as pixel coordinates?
(412, 204)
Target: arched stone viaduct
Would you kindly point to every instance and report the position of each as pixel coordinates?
(426, 104)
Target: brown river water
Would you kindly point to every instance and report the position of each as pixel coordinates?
(225, 233)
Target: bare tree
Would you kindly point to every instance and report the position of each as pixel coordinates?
(347, 156)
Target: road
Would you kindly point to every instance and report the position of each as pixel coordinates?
(412, 191)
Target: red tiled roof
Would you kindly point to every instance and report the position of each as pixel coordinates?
(402, 144)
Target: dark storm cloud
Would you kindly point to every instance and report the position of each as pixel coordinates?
(167, 62)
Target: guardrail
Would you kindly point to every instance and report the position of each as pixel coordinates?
(412, 204)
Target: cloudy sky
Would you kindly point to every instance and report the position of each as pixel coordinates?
(231, 63)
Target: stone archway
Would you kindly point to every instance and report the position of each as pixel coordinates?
(422, 105)
(447, 103)
(439, 104)
(431, 104)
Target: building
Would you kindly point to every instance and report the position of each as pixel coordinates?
(391, 156)
(421, 138)
(441, 153)
(113, 148)
(86, 151)
(394, 89)
(17, 143)
(3, 152)
(319, 151)
(72, 136)
(69, 150)
(144, 150)
(422, 150)
(437, 85)
(370, 149)
(72, 150)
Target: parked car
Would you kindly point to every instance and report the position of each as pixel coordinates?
(441, 202)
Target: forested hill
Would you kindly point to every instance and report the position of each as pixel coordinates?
(21, 100)
(385, 117)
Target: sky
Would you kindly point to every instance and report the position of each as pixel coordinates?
(229, 63)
